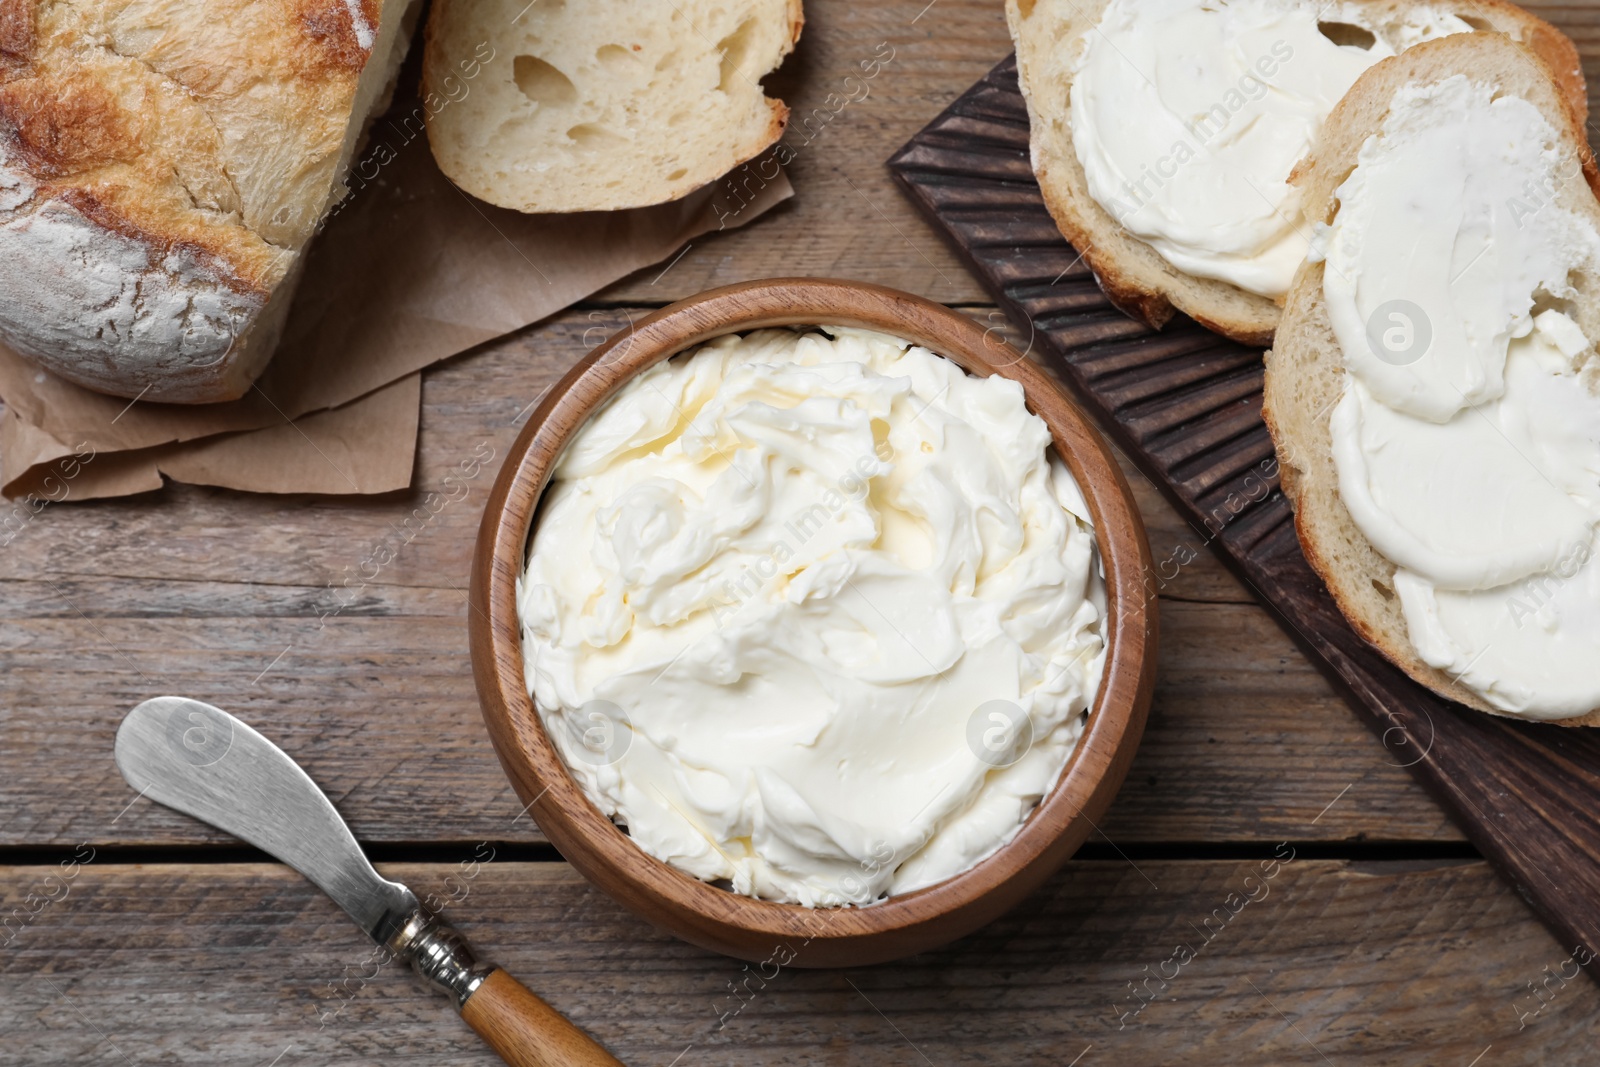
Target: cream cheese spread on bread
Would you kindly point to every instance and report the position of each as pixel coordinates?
(1467, 440)
(779, 590)
(1188, 117)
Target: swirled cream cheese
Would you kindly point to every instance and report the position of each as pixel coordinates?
(1189, 115)
(791, 594)
(1467, 440)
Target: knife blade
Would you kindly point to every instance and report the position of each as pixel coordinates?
(206, 763)
(198, 759)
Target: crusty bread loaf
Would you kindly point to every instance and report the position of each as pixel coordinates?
(1132, 273)
(603, 104)
(1305, 374)
(163, 164)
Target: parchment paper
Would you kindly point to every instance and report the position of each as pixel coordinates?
(407, 272)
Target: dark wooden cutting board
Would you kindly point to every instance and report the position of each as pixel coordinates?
(1185, 404)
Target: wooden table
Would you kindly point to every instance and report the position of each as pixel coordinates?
(1386, 939)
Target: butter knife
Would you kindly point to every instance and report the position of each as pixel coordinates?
(202, 761)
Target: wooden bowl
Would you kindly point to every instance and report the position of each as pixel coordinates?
(764, 931)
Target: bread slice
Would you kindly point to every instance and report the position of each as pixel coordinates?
(583, 105)
(163, 164)
(1305, 374)
(1132, 273)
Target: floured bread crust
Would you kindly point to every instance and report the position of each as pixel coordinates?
(1133, 274)
(1305, 374)
(163, 164)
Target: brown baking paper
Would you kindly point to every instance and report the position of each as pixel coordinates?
(407, 272)
(366, 446)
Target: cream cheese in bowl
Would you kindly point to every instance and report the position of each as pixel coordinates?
(814, 614)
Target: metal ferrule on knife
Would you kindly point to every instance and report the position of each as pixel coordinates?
(440, 955)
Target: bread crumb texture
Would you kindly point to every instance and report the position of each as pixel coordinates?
(602, 104)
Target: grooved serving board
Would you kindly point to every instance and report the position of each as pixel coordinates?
(1185, 404)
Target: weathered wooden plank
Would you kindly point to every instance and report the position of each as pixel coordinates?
(1246, 741)
(1241, 718)
(309, 555)
(1329, 963)
(227, 597)
(846, 219)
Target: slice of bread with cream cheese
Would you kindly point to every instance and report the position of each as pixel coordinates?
(1434, 390)
(1164, 132)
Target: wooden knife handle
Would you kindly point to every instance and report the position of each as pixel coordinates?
(526, 1031)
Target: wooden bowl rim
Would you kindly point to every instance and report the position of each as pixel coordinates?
(696, 910)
